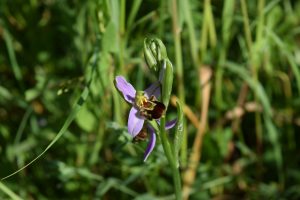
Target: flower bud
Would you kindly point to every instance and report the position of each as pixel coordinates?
(154, 53)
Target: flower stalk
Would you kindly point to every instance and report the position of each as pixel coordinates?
(149, 107)
(157, 57)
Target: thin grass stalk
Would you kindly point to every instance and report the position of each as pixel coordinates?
(254, 63)
(117, 104)
(20, 133)
(12, 57)
(247, 26)
(133, 12)
(211, 25)
(191, 31)
(272, 132)
(194, 46)
(9, 192)
(204, 33)
(121, 35)
(119, 107)
(162, 10)
(227, 18)
(179, 73)
(261, 20)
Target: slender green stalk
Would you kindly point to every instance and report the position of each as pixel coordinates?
(247, 26)
(204, 32)
(171, 159)
(254, 63)
(121, 36)
(165, 142)
(122, 16)
(21, 131)
(170, 154)
(177, 182)
(191, 30)
(208, 29)
(227, 18)
(179, 73)
(133, 12)
(117, 104)
(12, 56)
(156, 58)
(219, 79)
(119, 107)
(194, 45)
(261, 20)
(211, 25)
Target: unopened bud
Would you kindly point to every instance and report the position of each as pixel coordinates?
(154, 53)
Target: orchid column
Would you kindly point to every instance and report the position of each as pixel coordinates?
(157, 60)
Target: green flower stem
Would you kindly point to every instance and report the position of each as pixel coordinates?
(177, 183)
(168, 151)
(156, 58)
(170, 154)
(165, 141)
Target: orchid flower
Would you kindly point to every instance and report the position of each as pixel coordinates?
(135, 119)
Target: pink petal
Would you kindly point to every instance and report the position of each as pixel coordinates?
(135, 122)
(151, 143)
(126, 89)
(171, 124)
(153, 89)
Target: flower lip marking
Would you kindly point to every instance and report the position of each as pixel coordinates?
(141, 136)
(149, 108)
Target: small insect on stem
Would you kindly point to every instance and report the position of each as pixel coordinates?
(149, 108)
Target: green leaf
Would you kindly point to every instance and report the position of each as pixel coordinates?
(85, 119)
(31, 94)
(178, 131)
(227, 18)
(223, 138)
(110, 38)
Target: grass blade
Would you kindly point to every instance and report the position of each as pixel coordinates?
(9, 192)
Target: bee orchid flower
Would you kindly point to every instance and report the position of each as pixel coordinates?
(136, 119)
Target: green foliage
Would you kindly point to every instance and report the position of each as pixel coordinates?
(61, 117)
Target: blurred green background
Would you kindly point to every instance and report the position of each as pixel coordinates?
(58, 60)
